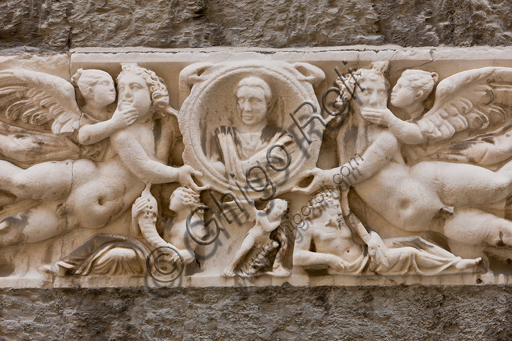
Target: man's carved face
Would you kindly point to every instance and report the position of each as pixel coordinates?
(375, 94)
(251, 105)
(333, 208)
(134, 92)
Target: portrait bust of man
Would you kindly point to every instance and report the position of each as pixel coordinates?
(234, 150)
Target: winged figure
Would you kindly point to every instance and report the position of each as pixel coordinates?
(445, 197)
(468, 105)
(41, 120)
(93, 188)
(473, 100)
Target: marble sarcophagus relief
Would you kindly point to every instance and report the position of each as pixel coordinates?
(229, 167)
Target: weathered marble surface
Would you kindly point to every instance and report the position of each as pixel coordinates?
(62, 25)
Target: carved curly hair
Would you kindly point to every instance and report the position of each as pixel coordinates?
(272, 203)
(157, 88)
(188, 196)
(349, 85)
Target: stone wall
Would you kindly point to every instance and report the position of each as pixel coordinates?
(279, 313)
(60, 25)
(323, 313)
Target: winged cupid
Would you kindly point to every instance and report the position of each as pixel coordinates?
(80, 190)
(413, 197)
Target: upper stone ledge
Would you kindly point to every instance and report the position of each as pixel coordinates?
(482, 55)
(270, 50)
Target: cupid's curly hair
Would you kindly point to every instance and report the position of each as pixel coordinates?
(377, 72)
(157, 88)
(273, 202)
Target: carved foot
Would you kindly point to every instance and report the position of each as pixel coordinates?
(63, 268)
(445, 212)
(10, 233)
(279, 272)
(228, 273)
(48, 270)
(465, 264)
(4, 227)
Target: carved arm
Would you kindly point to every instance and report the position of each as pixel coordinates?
(138, 162)
(406, 131)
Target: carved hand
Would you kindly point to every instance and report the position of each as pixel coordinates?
(125, 117)
(337, 263)
(144, 205)
(185, 178)
(379, 116)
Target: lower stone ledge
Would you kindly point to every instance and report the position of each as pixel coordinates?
(205, 281)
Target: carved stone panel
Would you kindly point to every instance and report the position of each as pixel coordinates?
(228, 167)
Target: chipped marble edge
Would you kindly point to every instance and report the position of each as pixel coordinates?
(352, 52)
(360, 53)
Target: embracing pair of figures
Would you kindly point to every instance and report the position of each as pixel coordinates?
(67, 166)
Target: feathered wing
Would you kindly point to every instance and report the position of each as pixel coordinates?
(473, 100)
(36, 100)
